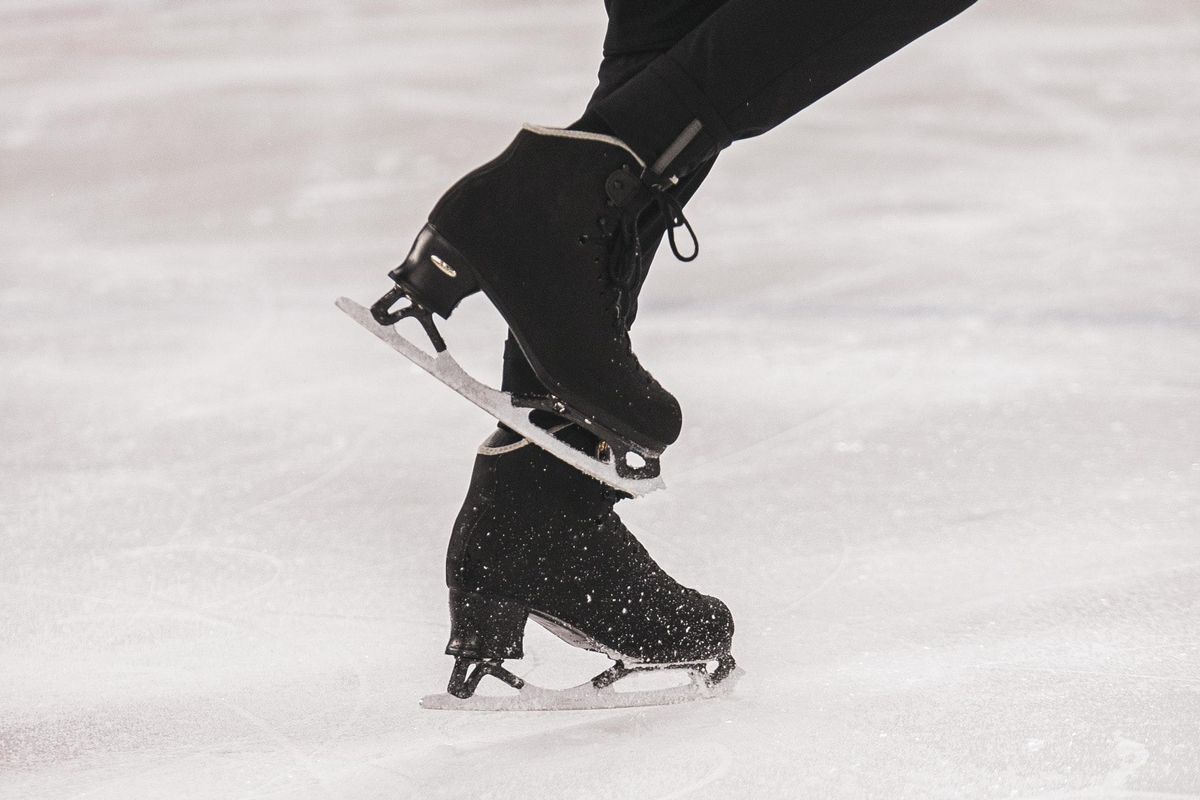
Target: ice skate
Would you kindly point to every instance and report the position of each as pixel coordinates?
(706, 679)
(549, 232)
(538, 540)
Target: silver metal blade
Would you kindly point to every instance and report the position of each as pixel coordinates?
(499, 404)
(584, 697)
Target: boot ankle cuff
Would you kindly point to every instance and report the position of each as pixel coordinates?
(664, 116)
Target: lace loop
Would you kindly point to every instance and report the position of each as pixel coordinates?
(672, 211)
(625, 261)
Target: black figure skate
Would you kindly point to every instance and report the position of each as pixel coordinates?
(538, 539)
(549, 232)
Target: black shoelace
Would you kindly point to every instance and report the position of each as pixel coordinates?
(625, 262)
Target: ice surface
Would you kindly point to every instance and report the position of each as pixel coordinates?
(938, 361)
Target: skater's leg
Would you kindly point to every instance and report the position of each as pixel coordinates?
(638, 26)
(550, 229)
(752, 64)
(532, 527)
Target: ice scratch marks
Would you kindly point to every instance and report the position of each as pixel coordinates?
(203, 580)
(1110, 166)
(299, 757)
(719, 758)
(1110, 794)
(44, 592)
(827, 581)
(1002, 667)
(350, 457)
(865, 397)
(1130, 757)
(781, 452)
(226, 561)
(175, 578)
(27, 131)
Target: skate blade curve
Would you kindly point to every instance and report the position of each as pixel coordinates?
(586, 697)
(497, 403)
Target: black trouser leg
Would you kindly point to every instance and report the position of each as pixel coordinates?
(751, 64)
(734, 69)
(652, 26)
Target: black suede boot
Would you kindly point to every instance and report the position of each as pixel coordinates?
(549, 232)
(536, 538)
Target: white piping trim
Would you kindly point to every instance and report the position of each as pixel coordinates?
(586, 136)
(484, 450)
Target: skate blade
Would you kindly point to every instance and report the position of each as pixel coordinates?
(585, 697)
(497, 403)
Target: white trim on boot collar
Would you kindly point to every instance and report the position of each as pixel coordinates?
(484, 450)
(563, 133)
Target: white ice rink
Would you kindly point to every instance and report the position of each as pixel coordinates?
(940, 363)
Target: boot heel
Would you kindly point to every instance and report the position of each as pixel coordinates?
(483, 627)
(435, 275)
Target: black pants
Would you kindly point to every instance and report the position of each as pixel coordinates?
(681, 80)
